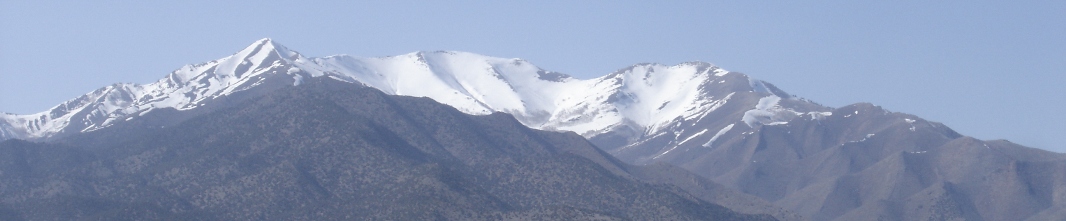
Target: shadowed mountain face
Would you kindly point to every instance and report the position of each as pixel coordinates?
(862, 162)
(330, 150)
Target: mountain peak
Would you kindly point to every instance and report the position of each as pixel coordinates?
(266, 47)
(260, 55)
(268, 42)
(264, 40)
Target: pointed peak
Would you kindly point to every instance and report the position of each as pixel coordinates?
(268, 45)
(269, 42)
(264, 40)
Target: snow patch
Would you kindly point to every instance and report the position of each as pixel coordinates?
(714, 105)
(768, 112)
(819, 115)
(767, 102)
(719, 134)
(296, 77)
(758, 86)
(693, 136)
(910, 121)
(297, 80)
(868, 136)
(720, 72)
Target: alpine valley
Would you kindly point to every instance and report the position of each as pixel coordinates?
(267, 133)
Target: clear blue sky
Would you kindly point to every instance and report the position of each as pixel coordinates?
(988, 69)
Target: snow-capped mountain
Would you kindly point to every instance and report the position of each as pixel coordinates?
(640, 113)
(632, 105)
(187, 88)
(858, 162)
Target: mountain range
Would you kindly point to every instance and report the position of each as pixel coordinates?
(333, 151)
(857, 162)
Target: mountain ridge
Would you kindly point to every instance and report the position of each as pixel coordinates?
(824, 163)
(327, 150)
(520, 91)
